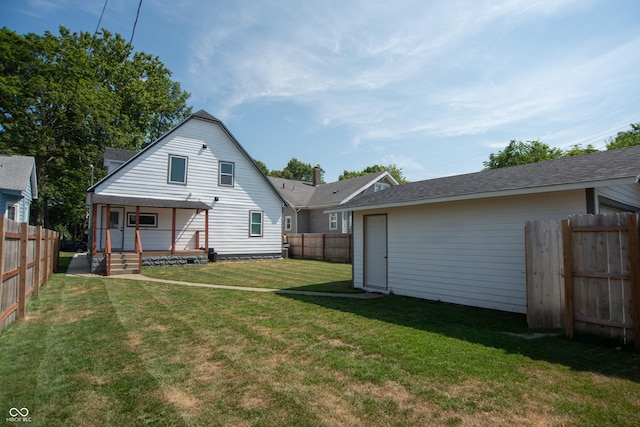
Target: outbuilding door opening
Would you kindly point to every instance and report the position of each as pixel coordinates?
(375, 252)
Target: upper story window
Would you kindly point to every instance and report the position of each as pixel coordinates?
(380, 186)
(177, 169)
(226, 174)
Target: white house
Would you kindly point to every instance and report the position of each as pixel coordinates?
(192, 190)
(18, 186)
(460, 239)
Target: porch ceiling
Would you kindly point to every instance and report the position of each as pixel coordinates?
(147, 202)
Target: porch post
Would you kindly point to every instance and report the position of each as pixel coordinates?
(206, 231)
(173, 232)
(94, 219)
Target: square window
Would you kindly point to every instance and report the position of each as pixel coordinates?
(226, 174)
(177, 169)
(255, 226)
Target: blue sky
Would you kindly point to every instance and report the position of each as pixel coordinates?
(431, 86)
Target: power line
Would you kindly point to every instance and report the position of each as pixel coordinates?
(136, 22)
(101, 15)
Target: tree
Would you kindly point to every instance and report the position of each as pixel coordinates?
(579, 150)
(297, 170)
(393, 170)
(263, 168)
(64, 98)
(626, 139)
(520, 153)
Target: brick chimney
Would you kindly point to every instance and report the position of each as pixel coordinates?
(316, 176)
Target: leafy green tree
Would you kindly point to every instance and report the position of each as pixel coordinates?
(263, 168)
(64, 98)
(393, 170)
(626, 139)
(578, 150)
(520, 153)
(297, 170)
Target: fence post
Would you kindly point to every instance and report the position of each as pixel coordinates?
(634, 257)
(3, 230)
(46, 258)
(568, 277)
(36, 269)
(302, 242)
(324, 242)
(22, 280)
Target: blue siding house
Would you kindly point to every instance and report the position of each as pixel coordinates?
(18, 186)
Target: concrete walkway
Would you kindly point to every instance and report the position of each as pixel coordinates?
(79, 267)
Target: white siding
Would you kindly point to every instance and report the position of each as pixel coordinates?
(468, 252)
(627, 194)
(146, 177)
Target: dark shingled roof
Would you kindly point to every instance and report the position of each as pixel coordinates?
(304, 194)
(148, 202)
(579, 171)
(118, 154)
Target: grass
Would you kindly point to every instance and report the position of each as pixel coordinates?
(98, 351)
(273, 274)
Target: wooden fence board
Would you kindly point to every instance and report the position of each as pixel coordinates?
(600, 274)
(330, 247)
(27, 257)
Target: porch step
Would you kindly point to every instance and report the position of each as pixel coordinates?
(124, 263)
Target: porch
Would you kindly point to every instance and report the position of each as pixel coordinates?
(128, 234)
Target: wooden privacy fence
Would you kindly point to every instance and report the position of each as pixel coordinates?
(28, 256)
(330, 247)
(583, 274)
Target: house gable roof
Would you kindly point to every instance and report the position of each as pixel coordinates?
(118, 154)
(198, 115)
(17, 172)
(583, 171)
(304, 195)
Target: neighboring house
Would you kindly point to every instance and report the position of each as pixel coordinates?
(460, 239)
(307, 201)
(18, 186)
(192, 190)
(116, 157)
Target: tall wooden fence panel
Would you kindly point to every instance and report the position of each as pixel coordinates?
(545, 284)
(598, 261)
(330, 247)
(27, 258)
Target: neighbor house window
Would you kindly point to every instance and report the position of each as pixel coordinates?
(287, 223)
(145, 220)
(333, 221)
(255, 223)
(11, 212)
(177, 169)
(346, 222)
(380, 186)
(226, 174)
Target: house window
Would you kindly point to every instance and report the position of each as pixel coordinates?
(346, 222)
(333, 221)
(287, 223)
(255, 223)
(380, 186)
(11, 212)
(226, 174)
(177, 169)
(148, 220)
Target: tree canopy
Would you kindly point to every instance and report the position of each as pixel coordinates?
(297, 170)
(393, 170)
(64, 98)
(626, 139)
(519, 153)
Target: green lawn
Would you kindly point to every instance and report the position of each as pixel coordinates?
(108, 351)
(302, 275)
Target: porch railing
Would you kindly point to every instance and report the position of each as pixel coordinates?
(138, 250)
